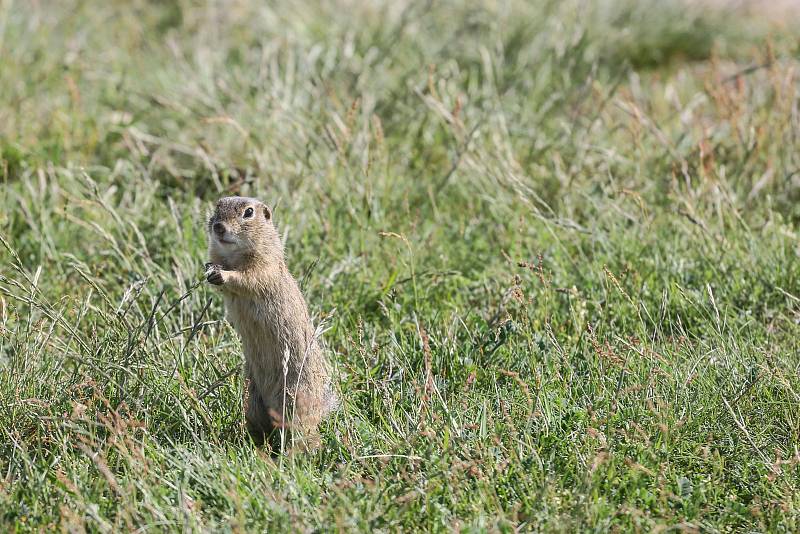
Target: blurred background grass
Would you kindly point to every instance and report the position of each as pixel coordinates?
(555, 244)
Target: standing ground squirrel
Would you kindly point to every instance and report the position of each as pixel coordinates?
(288, 381)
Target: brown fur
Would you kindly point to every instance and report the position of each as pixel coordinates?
(287, 378)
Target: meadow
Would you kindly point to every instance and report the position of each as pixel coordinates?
(554, 247)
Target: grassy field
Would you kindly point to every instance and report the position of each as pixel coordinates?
(555, 247)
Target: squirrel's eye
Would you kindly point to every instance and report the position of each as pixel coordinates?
(248, 213)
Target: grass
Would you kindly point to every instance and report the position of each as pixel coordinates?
(555, 245)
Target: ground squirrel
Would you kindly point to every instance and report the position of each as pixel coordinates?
(288, 382)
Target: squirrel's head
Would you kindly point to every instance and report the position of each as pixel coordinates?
(242, 228)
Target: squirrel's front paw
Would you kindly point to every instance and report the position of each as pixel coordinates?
(214, 274)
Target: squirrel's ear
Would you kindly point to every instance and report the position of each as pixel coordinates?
(267, 213)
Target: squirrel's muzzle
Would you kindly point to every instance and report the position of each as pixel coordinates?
(219, 228)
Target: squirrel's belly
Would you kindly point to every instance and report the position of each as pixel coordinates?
(267, 332)
(254, 322)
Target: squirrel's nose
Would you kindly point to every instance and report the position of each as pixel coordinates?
(219, 228)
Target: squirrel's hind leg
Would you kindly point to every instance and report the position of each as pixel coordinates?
(259, 422)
